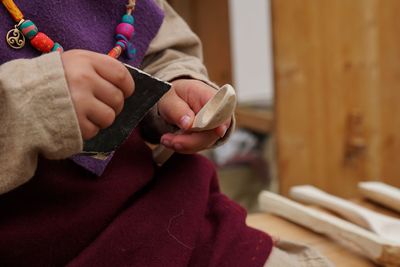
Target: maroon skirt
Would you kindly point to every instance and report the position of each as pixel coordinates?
(135, 214)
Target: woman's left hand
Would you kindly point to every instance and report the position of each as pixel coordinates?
(178, 107)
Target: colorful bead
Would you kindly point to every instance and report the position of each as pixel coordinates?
(42, 42)
(115, 52)
(14, 11)
(123, 44)
(125, 29)
(57, 47)
(121, 37)
(124, 33)
(130, 51)
(29, 29)
(128, 19)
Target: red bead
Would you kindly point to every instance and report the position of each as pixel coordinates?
(42, 42)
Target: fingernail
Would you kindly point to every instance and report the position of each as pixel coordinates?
(184, 123)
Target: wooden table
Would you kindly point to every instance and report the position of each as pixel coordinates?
(284, 229)
(259, 120)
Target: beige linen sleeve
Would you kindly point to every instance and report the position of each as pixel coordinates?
(36, 116)
(175, 52)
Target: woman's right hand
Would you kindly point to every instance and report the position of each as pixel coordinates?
(98, 85)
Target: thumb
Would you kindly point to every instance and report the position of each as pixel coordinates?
(176, 111)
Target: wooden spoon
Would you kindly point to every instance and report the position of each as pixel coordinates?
(381, 193)
(216, 111)
(380, 250)
(384, 226)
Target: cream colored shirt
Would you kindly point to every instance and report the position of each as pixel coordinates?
(37, 116)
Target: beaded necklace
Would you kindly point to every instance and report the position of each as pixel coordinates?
(27, 29)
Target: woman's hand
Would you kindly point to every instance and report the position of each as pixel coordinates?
(179, 106)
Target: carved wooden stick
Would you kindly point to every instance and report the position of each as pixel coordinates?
(349, 235)
(384, 226)
(381, 193)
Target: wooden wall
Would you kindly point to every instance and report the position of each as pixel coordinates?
(337, 78)
(337, 65)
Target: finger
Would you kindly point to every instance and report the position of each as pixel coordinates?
(195, 93)
(88, 129)
(176, 111)
(115, 72)
(223, 128)
(190, 142)
(110, 95)
(100, 114)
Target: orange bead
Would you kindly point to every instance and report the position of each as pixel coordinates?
(115, 52)
(13, 9)
(42, 42)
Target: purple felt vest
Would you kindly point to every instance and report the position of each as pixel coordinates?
(90, 25)
(83, 24)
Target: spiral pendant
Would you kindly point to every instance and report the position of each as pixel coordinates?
(15, 39)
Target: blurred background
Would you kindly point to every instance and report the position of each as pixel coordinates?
(318, 83)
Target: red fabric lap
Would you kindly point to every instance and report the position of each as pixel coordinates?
(133, 215)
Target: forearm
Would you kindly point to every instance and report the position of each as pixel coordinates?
(37, 117)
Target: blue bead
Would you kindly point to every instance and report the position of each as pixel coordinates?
(57, 47)
(128, 19)
(130, 51)
(122, 44)
(121, 37)
(29, 29)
